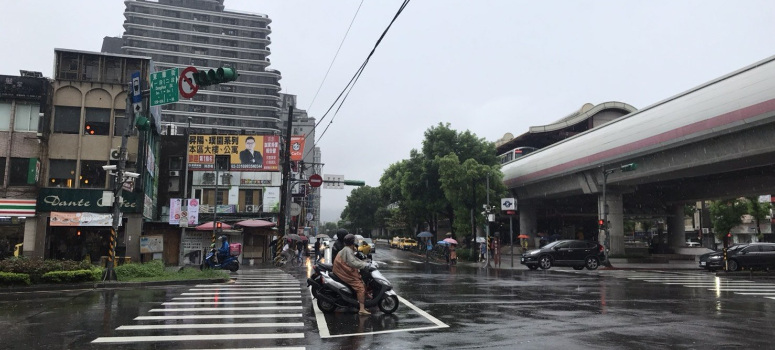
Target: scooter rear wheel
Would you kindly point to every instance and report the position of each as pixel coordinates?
(388, 304)
(233, 267)
(326, 306)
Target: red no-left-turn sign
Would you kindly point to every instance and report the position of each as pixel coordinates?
(315, 180)
(186, 84)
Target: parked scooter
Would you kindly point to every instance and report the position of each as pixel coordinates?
(331, 292)
(226, 256)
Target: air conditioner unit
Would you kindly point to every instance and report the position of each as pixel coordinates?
(174, 173)
(252, 208)
(115, 154)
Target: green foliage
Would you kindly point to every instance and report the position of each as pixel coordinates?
(465, 255)
(70, 276)
(13, 278)
(362, 204)
(726, 214)
(37, 267)
(759, 211)
(134, 270)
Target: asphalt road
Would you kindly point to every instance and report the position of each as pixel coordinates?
(459, 307)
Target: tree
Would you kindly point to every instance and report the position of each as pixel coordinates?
(362, 204)
(759, 211)
(726, 214)
(329, 228)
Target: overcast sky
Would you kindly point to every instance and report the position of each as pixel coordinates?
(488, 66)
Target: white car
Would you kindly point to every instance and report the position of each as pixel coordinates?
(692, 244)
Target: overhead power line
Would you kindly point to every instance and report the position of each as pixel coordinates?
(346, 91)
(335, 55)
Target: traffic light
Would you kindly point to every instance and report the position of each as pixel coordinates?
(218, 225)
(354, 182)
(142, 123)
(215, 76)
(601, 224)
(88, 129)
(629, 167)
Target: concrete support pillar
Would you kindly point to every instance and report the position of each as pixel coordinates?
(30, 238)
(676, 237)
(527, 220)
(134, 227)
(615, 222)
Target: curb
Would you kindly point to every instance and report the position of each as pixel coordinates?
(104, 285)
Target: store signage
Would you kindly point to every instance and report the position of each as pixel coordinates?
(83, 200)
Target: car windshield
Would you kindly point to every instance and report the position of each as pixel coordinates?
(550, 245)
(367, 240)
(409, 241)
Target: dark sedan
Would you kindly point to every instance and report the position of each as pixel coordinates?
(752, 256)
(575, 253)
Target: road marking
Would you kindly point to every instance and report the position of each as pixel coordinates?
(208, 325)
(277, 284)
(160, 338)
(243, 297)
(320, 318)
(756, 293)
(272, 348)
(250, 308)
(736, 289)
(254, 289)
(202, 317)
(232, 302)
(241, 293)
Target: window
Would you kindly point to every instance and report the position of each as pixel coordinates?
(61, 173)
(2, 170)
(91, 68)
(169, 47)
(5, 116)
(176, 163)
(92, 174)
(210, 198)
(26, 118)
(120, 124)
(18, 172)
(67, 119)
(170, 36)
(112, 68)
(97, 121)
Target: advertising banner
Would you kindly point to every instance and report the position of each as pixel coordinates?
(83, 200)
(246, 152)
(81, 219)
(174, 211)
(151, 244)
(184, 208)
(271, 199)
(297, 147)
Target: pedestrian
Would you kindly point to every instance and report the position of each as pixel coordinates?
(452, 254)
(482, 251)
(299, 251)
(317, 251)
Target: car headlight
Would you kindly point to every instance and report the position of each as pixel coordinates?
(715, 257)
(533, 252)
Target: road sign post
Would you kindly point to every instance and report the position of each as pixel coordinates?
(164, 87)
(187, 85)
(315, 180)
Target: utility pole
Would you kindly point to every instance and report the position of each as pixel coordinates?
(487, 223)
(285, 181)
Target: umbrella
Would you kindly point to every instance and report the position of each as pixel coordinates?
(523, 236)
(442, 242)
(208, 226)
(321, 235)
(479, 239)
(450, 240)
(424, 234)
(255, 223)
(304, 238)
(293, 236)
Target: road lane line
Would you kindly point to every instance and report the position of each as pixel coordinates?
(204, 317)
(241, 293)
(232, 302)
(208, 325)
(240, 297)
(251, 289)
(320, 318)
(193, 337)
(250, 308)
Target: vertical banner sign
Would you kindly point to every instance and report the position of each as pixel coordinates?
(174, 211)
(297, 147)
(193, 211)
(246, 152)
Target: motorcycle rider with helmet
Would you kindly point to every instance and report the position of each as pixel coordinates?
(339, 244)
(347, 267)
(223, 251)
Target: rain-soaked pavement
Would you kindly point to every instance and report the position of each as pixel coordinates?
(442, 307)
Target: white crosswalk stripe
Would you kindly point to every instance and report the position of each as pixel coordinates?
(274, 296)
(692, 280)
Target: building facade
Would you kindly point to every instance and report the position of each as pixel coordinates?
(24, 102)
(202, 34)
(84, 134)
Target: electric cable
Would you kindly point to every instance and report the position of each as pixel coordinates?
(348, 88)
(335, 55)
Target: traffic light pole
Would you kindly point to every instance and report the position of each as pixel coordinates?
(284, 185)
(607, 241)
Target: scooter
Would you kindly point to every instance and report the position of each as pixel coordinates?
(229, 262)
(331, 292)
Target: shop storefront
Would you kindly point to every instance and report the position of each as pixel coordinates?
(76, 223)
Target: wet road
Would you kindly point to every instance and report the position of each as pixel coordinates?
(461, 307)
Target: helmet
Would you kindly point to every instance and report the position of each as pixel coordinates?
(341, 233)
(222, 237)
(349, 239)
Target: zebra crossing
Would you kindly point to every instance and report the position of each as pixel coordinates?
(713, 283)
(260, 306)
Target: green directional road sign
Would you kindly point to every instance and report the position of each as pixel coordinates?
(164, 87)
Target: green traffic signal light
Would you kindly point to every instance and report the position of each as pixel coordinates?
(142, 123)
(215, 76)
(629, 167)
(354, 182)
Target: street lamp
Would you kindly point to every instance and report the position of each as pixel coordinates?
(606, 172)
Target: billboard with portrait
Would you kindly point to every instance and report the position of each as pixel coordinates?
(246, 152)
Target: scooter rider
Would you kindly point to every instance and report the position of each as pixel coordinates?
(347, 267)
(223, 252)
(339, 244)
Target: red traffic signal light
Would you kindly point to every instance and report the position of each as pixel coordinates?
(219, 225)
(729, 234)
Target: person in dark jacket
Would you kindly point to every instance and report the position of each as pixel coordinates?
(339, 244)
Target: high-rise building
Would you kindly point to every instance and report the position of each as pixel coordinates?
(202, 34)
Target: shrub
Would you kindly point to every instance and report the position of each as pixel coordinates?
(37, 267)
(134, 270)
(465, 255)
(69, 276)
(12, 278)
